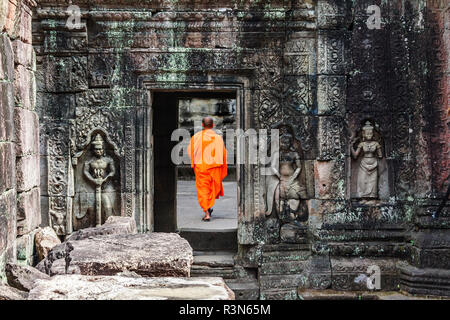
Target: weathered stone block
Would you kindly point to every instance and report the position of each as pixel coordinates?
(76, 287)
(286, 281)
(7, 55)
(331, 14)
(319, 273)
(24, 25)
(6, 112)
(244, 289)
(298, 57)
(424, 281)
(23, 53)
(151, 254)
(7, 219)
(322, 178)
(315, 214)
(26, 249)
(278, 294)
(23, 87)
(299, 93)
(331, 55)
(330, 179)
(26, 125)
(3, 13)
(57, 41)
(27, 172)
(290, 233)
(9, 293)
(7, 164)
(372, 217)
(28, 211)
(23, 277)
(45, 240)
(65, 74)
(352, 273)
(283, 267)
(10, 17)
(205, 271)
(287, 255)
(114, 225)
(370, 249)
(331, 94)
(331, 138)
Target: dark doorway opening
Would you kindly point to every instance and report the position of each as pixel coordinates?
(169, 113)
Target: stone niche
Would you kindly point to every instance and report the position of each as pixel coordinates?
(96, 182)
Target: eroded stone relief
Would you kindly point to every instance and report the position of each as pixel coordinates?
(368, 149)
(285, 190)
(97, 183)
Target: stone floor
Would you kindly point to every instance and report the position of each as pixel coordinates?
(190, 214)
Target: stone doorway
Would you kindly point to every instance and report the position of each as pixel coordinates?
(175, 202)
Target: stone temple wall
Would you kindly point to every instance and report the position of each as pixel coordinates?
(19, 135)
(312, 69)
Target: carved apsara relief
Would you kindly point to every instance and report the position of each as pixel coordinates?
(285, 186)
(367, 152)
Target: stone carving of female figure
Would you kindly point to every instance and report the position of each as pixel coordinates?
(370, 149)
(284, 187)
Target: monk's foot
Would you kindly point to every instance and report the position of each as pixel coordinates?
(207, 217)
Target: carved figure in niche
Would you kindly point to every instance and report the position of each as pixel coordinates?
(96, 171)
(284, 189)
(96, 197)
(367, 145)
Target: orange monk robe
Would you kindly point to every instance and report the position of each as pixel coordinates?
(209, 160)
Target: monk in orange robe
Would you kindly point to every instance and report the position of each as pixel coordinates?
(209, 160)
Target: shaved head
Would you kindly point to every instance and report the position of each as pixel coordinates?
(208, 122)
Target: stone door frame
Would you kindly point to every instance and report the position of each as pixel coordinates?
(244, 118)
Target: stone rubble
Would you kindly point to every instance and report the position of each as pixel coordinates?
(113, 225)
(78, 287)
(150, 255)
(45, 240)
(9, 293)
(23, 277)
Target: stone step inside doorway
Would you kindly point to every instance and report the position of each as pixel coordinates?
(243, 282)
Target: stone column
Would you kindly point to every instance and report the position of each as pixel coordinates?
(428, 267)
(19, 138)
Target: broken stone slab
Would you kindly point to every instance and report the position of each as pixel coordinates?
(78, 287)
(22, 277)
(148, 254)
(113, 225)
(45, 240)
(10, 293)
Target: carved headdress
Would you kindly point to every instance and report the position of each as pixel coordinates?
(98, 141)
(367, 126)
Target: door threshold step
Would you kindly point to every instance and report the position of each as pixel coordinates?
(214, 260)
(211, 240)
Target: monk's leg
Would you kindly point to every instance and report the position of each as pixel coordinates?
(216, 174)
(203, 183)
